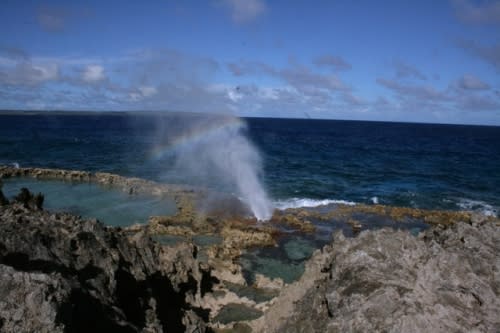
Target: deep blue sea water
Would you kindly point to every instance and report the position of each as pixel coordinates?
(304, 161)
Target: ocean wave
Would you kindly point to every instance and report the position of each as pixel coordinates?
(307, 203)
(9, 163)
(478, 207)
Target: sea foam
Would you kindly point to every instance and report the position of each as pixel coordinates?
(308, 203)
(477, 206)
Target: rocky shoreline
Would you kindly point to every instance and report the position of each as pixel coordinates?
(60, 273)
(58, 269)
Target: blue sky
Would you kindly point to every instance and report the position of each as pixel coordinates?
(424, 61)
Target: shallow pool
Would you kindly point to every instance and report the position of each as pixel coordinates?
(109, 205)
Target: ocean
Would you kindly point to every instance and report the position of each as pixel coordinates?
(303, 162)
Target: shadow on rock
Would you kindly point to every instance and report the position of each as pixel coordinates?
(59, 273)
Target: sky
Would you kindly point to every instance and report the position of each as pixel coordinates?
(419, 61)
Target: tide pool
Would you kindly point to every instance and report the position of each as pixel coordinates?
(109, 205)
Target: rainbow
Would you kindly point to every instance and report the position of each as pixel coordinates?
(196, 135)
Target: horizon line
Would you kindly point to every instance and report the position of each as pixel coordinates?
(150, 112)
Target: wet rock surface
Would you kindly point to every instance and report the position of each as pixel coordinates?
(61, 273)
(445, 280)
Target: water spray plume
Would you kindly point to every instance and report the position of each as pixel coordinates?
(215, 150)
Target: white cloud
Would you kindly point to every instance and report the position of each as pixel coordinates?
(471, 82)
(419, 92)
(93, 73)
(148, 91)
(243, 11)
(45, 72)
(142, 92)
(404, 70)
(332, 61)
(234, 95)
(27, 73)
(268, 93)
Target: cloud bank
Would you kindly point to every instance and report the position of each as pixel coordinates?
(168, 79)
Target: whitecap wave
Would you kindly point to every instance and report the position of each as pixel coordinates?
(478, 207)
(307, 203)
(15, 165)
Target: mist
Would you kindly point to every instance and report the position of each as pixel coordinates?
(214, 151)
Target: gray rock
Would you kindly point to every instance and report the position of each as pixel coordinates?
(445, 280)
(26, 295)
(61, 273)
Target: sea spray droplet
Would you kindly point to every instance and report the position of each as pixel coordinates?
(215, 149)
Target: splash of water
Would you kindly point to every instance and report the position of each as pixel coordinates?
(215, 150)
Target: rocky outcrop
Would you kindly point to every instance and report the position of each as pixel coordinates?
(445, 280)
(393, 213)
(61, 273)
(29, 200)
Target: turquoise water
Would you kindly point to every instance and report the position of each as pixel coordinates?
(110, 206)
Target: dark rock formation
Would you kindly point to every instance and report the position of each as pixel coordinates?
(3, 199)
(444, 280)
(29, 200)
(59, 273)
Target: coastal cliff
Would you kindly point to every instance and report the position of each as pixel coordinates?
(60, 273)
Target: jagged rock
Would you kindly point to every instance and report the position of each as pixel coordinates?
(298, 222)
(29, 200)
(3, 199)
(61, 273)
(28, 301)
(236, 238)
(264, 282)
(445, 280)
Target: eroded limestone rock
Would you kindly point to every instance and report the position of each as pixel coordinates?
(445, 280)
